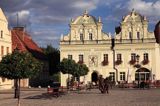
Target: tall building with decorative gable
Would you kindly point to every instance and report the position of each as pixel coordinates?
(86, 43)
(5, 47)
(135, 56)
(136, 47)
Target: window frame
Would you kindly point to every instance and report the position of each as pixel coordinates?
(122, 76)
(90, 36)
(70, 56)
(81, 58)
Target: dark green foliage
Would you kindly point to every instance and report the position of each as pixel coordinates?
(19, 65)
(53, 56)
(68, 66)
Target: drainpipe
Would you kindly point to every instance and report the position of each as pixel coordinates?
(114, 66)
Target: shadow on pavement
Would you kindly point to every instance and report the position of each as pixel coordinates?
(45, 96)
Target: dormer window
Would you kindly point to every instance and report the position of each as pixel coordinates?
(81, 36)
(90, 36)
(138, 35)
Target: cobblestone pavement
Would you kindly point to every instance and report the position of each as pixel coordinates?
(116, 97)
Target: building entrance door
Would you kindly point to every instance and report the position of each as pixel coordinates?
(94, 77)
(142, 74)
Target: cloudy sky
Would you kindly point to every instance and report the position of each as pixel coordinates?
(46, 20)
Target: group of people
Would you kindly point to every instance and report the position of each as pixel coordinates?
(103, 84)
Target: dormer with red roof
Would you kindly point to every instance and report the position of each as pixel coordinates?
(24, 42)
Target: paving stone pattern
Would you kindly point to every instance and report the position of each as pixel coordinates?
(116, 97)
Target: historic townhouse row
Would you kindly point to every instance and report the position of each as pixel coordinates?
(5, 47)
(134, 57)
(18, 38)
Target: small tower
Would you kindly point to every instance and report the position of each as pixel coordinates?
(99, 19)
(85, 12)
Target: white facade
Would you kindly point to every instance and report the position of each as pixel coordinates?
(5, 47)
(86, 40)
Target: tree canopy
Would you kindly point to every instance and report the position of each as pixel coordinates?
(53, 56)
(19, 65)
(69, 66)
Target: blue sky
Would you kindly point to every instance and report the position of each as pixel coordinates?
(46, 20)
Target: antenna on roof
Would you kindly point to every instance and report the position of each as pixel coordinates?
(17, 19)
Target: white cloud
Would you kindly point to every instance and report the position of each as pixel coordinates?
(147, 8)
(89, 5)
(111, 18)
(24, 13)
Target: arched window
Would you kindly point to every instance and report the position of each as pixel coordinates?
(90, 36)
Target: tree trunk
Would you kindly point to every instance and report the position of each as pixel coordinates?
(19, 81)
(78, 83)
(16, 89)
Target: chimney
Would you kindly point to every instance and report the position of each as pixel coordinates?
(19, 30)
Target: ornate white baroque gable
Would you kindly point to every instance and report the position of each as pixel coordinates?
(134, 26)
(85, 28)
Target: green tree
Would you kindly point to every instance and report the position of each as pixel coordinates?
(68, 66)
(53, 57)
(17, 66)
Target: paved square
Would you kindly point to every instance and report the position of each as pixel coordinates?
(116, 97)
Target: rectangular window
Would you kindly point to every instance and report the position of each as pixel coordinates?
(2, 50)
(112, 75)
(130, 35)
(105, 57)
(119, 57)
(81, 58)
(133, 56)
(138, 35)
(145, 56)
(90, 36)
(122, 76)
(7, 50)
(81, 37)
(1, 34)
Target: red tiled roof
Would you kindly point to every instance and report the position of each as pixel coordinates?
(24, 42)
(16, 42)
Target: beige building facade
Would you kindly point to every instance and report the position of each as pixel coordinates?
(5, 47)
(135, 56)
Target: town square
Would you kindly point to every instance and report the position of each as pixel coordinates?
(80, 53)
(116, 97)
